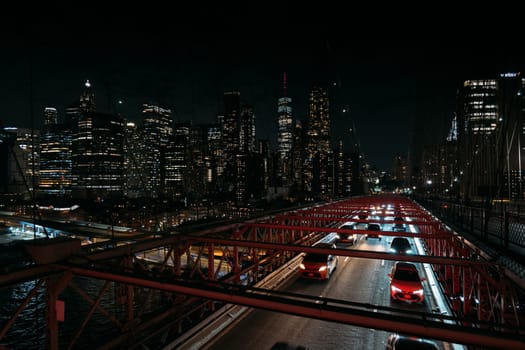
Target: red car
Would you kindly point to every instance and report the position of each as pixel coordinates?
(405, 283)
(319, 266)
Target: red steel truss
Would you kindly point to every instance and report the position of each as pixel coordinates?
(148, 277)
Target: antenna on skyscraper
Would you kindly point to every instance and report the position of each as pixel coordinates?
(284, 84)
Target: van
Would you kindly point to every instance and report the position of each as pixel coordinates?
(319, 266)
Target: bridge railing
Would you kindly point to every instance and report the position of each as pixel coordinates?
(498, 230)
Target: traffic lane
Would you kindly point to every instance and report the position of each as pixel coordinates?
(355, 279)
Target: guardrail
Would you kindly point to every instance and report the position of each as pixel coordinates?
(207, 330)
(500, 233)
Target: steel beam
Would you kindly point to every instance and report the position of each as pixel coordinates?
(430, 326)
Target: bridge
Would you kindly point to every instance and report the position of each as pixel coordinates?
(175, 289)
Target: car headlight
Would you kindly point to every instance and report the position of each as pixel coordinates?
(395, 289)
(322, 268)
(393, 250)
(418, 292)
(408, 251)
(302, 267)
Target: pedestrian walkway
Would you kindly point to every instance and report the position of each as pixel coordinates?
(511, 258)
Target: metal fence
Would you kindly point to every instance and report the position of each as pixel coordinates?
(498, 230)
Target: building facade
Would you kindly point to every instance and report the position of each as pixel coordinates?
(317, 143)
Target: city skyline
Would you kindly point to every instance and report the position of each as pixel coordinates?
(401, 92)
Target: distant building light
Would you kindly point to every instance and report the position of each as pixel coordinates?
(509, 75)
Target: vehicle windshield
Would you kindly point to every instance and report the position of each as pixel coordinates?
(400, 244)
(315, 258)
(406, 275)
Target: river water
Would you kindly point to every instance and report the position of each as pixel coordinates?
(29, 329)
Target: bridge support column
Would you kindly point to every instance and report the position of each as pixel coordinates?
(54, 285)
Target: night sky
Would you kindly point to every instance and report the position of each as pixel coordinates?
(400, 86)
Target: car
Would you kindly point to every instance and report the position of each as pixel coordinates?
(405, 283)
(398, 225)
(400, 245)
(319, 266)
(373, 227)
(403, 342)
(330, 238)
(349, 238)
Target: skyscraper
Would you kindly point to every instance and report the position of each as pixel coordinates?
(98, 156)
(198, 163)
(317, 143)
(87, 98)
(214, 151)
(50, 116)
(511, 101)
(231, 143)
(55, 157)
(478, 118)
(490, 134)
(298, 152)
(285, 136)
(176, 164)
(230, 125)
(86, 103)
(156, 133)
(247, 130)
(246, 152)
(22, 160)
(133, 162)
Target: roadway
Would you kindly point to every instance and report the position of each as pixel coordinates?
(355, 279)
